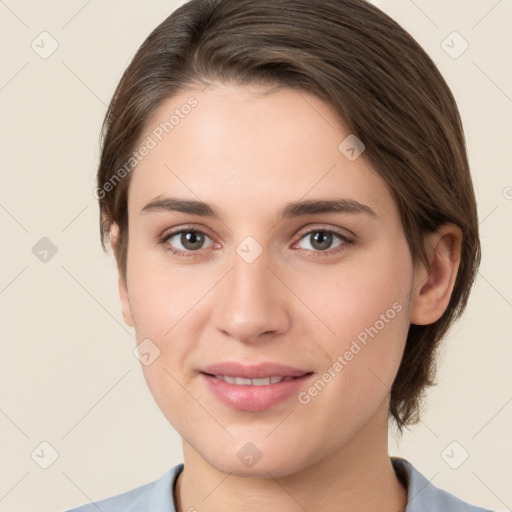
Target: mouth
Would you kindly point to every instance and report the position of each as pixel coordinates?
(253, 372)
(262, 381)
(254, 388)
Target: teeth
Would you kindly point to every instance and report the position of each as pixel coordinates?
(242, 381)
(260, 382)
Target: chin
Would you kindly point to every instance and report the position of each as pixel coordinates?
(261, 458)
(266, 467)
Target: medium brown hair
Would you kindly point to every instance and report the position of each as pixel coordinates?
(381, 83)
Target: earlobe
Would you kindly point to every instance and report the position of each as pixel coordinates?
(123, 289)
(125, 301)
(433, 287)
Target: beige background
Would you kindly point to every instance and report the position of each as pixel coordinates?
(68, 375)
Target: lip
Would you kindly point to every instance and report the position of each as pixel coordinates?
(254, 398)
(253, 371)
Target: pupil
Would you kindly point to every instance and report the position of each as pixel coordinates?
(322, 240)
(191, 240)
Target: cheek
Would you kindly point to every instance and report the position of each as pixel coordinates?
(165, 310)
(364, 312)
(352, 296)
(169, 307)
(162, 296)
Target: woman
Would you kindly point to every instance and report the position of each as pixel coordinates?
(287, 193)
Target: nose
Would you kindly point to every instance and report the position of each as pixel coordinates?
(251, 303)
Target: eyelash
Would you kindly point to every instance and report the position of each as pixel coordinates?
(346, 241)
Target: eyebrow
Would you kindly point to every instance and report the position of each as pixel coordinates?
(295, 209)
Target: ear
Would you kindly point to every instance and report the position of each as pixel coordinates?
(123, 289)
(433, 287)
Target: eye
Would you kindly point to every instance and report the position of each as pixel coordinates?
(185, 240)
(323, 240)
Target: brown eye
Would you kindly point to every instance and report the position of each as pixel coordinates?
(191, 240)
(186, 240)
(322, 240)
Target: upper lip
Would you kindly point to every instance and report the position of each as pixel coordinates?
(253, 371)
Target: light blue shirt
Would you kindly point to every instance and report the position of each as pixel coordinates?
(157, 496)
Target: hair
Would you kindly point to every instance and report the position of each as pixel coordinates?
(383, 86)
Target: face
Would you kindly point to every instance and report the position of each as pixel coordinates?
(297, 258)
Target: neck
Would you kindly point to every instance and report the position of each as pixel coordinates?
(356, 476)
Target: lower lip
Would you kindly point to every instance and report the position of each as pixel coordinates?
(254, 398)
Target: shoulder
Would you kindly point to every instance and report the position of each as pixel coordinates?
(155, 496)
(423, 496)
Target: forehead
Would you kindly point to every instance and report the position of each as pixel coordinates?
(243, 147)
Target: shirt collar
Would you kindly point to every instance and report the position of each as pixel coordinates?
(422, 495)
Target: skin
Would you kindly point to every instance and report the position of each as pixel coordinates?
(248, 152)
